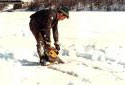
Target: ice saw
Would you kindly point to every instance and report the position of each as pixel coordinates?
(52, 55)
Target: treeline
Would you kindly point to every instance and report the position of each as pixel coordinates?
(78, 5)
(75, 5)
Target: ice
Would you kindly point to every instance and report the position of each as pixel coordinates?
(92, 45)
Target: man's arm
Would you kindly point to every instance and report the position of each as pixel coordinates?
(55, 33)
(56, 36)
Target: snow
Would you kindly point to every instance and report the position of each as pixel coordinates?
(92, 44)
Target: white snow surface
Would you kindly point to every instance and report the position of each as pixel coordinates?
(92, 45)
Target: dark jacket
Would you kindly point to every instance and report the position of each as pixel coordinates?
(46, 20)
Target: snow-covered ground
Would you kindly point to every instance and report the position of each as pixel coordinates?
(92, 44)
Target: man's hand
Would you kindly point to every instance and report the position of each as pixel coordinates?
(57, 46)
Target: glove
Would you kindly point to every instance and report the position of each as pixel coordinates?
(57, 46)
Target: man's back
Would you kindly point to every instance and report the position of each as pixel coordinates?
(41, 14)
(44, 18)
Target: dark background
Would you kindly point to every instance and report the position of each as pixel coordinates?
(74, 5)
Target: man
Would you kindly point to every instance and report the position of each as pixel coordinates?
(41, 24)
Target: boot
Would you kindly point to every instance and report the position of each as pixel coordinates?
(44, 62)
(40, 51)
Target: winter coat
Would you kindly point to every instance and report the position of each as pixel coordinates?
(44, 21)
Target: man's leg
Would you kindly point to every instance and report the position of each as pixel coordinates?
(40, 46)
(34, 27)
(41, 49)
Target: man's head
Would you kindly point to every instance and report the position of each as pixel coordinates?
(63, 13)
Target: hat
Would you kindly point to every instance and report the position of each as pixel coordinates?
(65, 11)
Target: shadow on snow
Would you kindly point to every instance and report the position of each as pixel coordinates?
(25, 62)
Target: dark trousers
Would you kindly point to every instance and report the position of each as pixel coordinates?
(39, 36)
